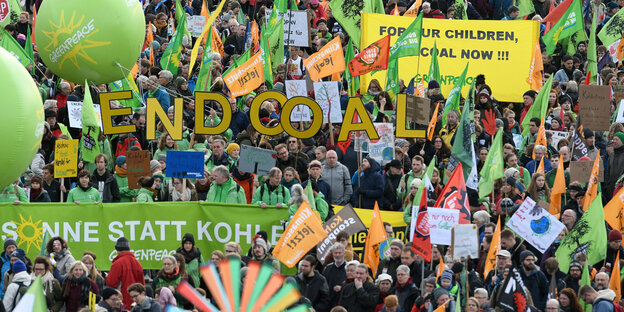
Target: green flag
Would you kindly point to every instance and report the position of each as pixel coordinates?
(460, 10)
(613, 29)
(310, 195)
(588, 236)
(170, 59)
(28, 48)
(89, 147)
(392, 78)
(408, 44)
(34, 299)
(276, 43)
(452, 102)
(463, 149)
(44, 250)
(354, 82)
(434, 67)
(348, 14)
(13, 12)
(282, 6)
(538, 108)
(526, 7)
(203, 77)
(179, 12)
(237, 62)
(585, 280)
(266, 57)
(493, 168)
(10, 44)
(592, 58)
(570, 22)
(127, 84)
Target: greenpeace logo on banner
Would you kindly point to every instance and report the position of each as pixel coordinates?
(71, 42)
(146, 254)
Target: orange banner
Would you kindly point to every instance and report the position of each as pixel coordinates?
(592, 185)
(302, 234)
(247, 77)
(613, 210)
(327, 61)
(373, 57)
(495, 247)
(376, 235)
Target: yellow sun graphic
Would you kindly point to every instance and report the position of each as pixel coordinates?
(30, 233)
(61, 28)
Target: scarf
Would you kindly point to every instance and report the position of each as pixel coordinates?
(60, 255)
(398, 286)
(85, 287)
(189, 255)
(34, 193)
(121, 172)
(177, 196)
(84, 189)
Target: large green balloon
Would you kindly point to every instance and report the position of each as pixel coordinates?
(21, 121)
(85, 39)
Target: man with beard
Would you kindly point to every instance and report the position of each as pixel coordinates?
(448, 131)
(312, 284)
(574, 276)
(602, 281)
(566, 73)
(335, 273)
(389, 264)
(534, 279)
(392, 177)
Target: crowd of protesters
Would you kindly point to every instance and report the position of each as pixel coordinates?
(338, 175)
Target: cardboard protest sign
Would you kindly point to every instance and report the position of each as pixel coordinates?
(74, 111)
(345, 220)
(296, 27)
(303, 232)
(535, 225)
(183, 164)
(465, 241)
(581, 170)
(298, 88)
(594, 106)
(441, 221)
(246, 77)
(256, 160)
(66, 158)
(327, 94)
(618, 93)
(138, 166)
(417, 110)
(328, 60)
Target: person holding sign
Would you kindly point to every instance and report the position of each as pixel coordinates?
(272, 193)
(224, 189)
(121, 175)
(145, 193)
(83, 192)
(13, 193)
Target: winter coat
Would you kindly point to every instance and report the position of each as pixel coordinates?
(78, 195)
(214, 161)
(335, 275)
(13, 295)
(407, 295)
(125, 270)
(144, 196)
(537, 284)
(391, 200)
(161, 95)
(54, 190)
(389, 266)
(64, 261)
(363, 299)
(228, 192)
(614, 170)
(315, 289)
(75, 292)
(371, 187)
(43, 197)
(12, 193)
(246, 181)
(53, 292)
(321, 207)
(279, 195)
(111, 188)
(604, 301)
(127, 195)
(193, 260)
(299, 163)
(339, 180)
(323, 188)
(148, 305)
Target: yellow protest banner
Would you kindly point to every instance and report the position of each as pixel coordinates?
(247, 77)
(302, 234)
(327, 61)
(500, 50)
(66, 158)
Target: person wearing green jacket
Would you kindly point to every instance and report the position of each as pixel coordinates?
(298, 196)
(145, 194)
(192, 257)
(272, 192)
(121, 175)
(224, 189)
(418, 170)
(13, 193)
(165, 143)
(84, 192)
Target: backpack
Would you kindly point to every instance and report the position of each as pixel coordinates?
(21, 291)
(618, 308)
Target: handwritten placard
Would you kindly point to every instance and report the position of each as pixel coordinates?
(66, 159)
(417, 109)
(327, 94)
(74, 111)
(296, 27)
(465, 239)
(581, 170)
(594, 104)
(138, 166)
(298, 88)
(535, 225)
(441, 222)
(558, 136)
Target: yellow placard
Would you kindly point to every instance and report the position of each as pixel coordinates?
(500, 50)
(66, 159)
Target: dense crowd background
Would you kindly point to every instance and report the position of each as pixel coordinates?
(338, 176)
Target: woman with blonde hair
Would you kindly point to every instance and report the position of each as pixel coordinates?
(92, 272)
(77, 286)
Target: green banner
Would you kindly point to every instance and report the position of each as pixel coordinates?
(154, 229)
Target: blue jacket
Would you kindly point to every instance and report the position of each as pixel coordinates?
(532, 166)
(161, 95)
(371, 186)
(499, 8)
(537, 284)
(240, 121)
(5, 265)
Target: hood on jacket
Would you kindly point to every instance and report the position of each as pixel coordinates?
(374, 165)
(606, 294)
(24, 277)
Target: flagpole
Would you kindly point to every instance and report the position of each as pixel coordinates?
(358, 175)
(287, 52)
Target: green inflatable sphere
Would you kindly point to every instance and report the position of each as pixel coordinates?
(21, 121)
(80, 39)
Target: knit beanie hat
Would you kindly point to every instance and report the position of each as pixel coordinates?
(525, 253)
(438, 292)
(8, 242)
(620, 136)
(108, 292)
(19, 253)
(120, 160)
(188, 237)
(447, 275)
(576, 264)
(19, 266)
(231, 147)
(155, 165)
(615, 235)
(259, 241)
(122, 244)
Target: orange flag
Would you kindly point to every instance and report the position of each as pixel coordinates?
(535, 70)
(302, 234)
(135, 70)
(204, 11)
(413, 10)
(613, 210)
(246, 77)
(376, 235)
(559, 187)
(495, 247)
(440, 268)
(255, 36)
(420, 89)
(432, 123)
(217, 44)
(148, 43)
(395, 11)
(329, 60)
(32, 32)
(441, 308)
(540, 167)
(615, 282)
(592, 185)
(373, 57)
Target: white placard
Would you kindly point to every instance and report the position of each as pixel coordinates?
(535, 225)
(557, 136)
(298, 88)
(620, 112)
(196, 25)
(465, 241)
(297, 24)
(327, 93)
(441, 221)
(74, 111)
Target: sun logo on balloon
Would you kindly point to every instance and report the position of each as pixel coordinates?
(30, 233)
(60, 29)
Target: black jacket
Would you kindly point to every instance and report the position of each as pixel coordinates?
(391, 201)
(389, 266)
(363, 299)
(371, 187)
(335, 275)
(537, 284)
(111, 189)
(299, 163)
(315, 289)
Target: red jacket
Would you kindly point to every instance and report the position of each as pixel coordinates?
(126, 270)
